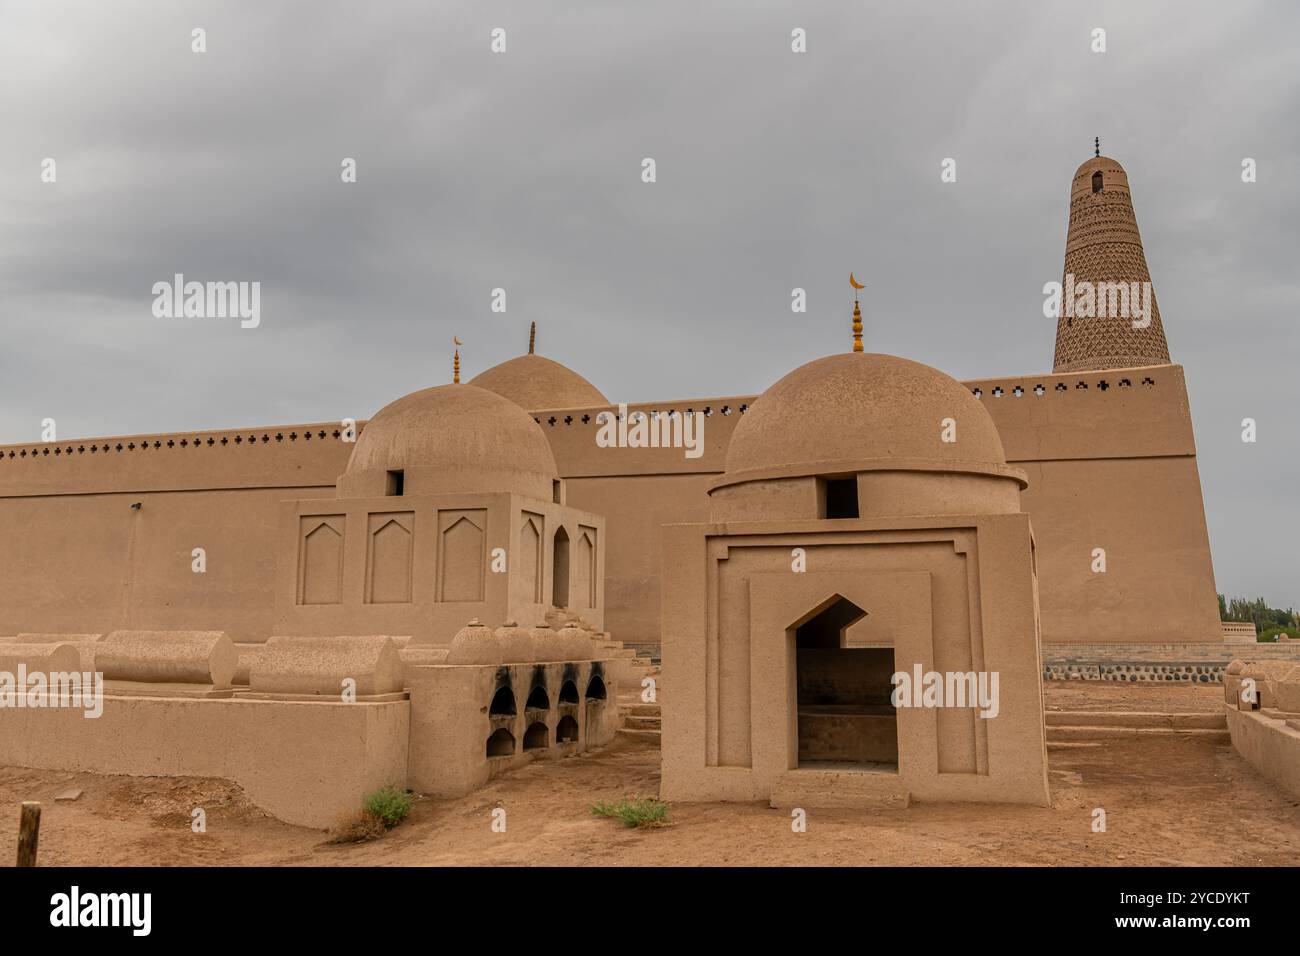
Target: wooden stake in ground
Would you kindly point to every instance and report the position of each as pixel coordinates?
(29, 832)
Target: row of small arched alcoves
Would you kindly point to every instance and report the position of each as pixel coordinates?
(502, 742)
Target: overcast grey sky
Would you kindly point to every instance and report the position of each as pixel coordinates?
(522, 170)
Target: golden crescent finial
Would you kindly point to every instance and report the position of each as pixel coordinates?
(855, 283)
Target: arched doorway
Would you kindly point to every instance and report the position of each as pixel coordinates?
(843, 710)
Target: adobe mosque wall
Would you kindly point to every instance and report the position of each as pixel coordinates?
(1110, 458)
(79, 556)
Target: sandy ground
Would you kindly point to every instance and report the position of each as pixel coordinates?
(1169, 801)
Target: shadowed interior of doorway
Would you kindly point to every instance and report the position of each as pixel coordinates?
(845, 717)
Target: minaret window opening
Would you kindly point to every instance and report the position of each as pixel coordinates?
(1096, 181)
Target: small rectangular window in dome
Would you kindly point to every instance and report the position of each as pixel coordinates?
(396, 483)
(839, 497)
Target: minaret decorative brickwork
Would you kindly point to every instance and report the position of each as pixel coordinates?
(1104, 249)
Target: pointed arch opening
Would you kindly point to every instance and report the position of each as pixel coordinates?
(538, 699)
(566, 731)
(503, 703)
(501, 743)
(568, 692)
(535, 737)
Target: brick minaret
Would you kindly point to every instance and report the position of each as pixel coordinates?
(1104, 246)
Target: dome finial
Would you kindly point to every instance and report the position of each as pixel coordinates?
(1096, 145)
(455, 362)
(532, 337)
(857, 313)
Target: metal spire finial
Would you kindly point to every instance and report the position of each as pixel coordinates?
(857, 313)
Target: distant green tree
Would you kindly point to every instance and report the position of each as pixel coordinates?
(1256, 612)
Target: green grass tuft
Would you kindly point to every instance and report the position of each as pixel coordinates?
(389, 804)
(647, 812)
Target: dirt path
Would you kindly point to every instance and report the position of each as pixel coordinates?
(1169, 801)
